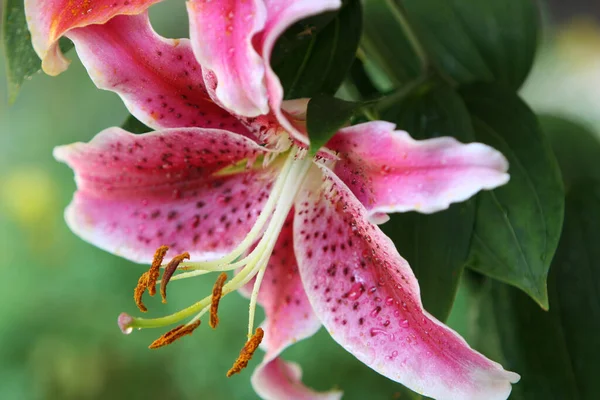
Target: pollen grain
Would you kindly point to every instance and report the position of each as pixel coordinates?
(247, 352)
(174, 334)
(149, 278)
(216, 297)
(169, 271)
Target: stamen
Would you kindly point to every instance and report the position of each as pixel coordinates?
(247, 353)
(174, 334)
(149, 278)
(267, 229)
(169, 270)
(216, 297)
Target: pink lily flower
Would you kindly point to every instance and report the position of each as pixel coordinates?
(301, 231)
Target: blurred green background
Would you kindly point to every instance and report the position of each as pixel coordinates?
(61, 296)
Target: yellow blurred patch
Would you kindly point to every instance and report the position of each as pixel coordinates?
(578, 41)
(28, 196)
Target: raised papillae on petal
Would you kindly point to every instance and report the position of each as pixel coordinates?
(388, 171)
(139, 192)
(48, 20)
(234, 40)
(159, 79)
(367, 297)
(289, 319)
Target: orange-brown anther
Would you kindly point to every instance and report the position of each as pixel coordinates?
(247, 353)
(149, 278)
(216, 297)
(169, 271)
(174, 334)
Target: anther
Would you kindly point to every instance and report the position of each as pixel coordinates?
(216, 297)
(247, 353)
(149, 278)
(174, 334)
(169, 271)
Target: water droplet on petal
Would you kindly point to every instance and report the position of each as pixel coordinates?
(404, 323)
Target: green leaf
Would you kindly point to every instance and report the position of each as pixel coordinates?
(435, 245)
(576, 148)
(361, 81)
(21, 60)
(475, 40)
(326, 115)
(384, 42)
(555, 352)
(133, 125)
(518, 225)
(312, 61)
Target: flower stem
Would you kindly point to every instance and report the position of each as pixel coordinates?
(399, 14)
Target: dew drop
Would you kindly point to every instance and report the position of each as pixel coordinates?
(389, 301)
(404, 323)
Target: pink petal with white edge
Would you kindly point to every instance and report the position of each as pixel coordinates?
(367, 297)
(280, 380)
(234, 39)
(159, 79)
(48, 20)
(389, 171)
(222, 34)
(138, 192)
(289, 319)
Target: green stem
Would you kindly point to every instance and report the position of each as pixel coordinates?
(400, 94)
(400, 15)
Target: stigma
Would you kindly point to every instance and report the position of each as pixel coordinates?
(249, 258)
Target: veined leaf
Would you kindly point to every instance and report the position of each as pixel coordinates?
(518, 225)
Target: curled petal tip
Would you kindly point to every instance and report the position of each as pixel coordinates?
(125, 322)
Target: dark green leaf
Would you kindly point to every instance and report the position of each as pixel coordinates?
(384, 42)
(133, 125)
(21, 60)
(555, 352)
(576, 148)
(518, 225)
(361, 81)
(475, 40)
(311, 61)
(325, 115)
(436, 245)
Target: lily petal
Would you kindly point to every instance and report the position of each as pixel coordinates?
(222, 34)
(389, 171)
(48, 20)
(289, 319)
(158, 79)
(234, 40)
(280, 380)
(138, 192)
(368, 299)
